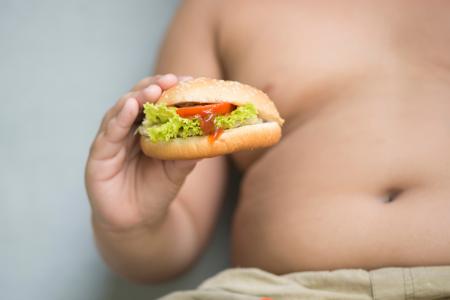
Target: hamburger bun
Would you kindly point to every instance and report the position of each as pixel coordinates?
(208, 91)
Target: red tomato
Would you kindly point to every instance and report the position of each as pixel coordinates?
(203, 110)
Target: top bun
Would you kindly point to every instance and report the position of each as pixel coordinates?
(207, 90)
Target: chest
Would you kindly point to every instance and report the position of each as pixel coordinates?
(305, 52)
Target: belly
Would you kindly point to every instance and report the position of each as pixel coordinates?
(363, 183)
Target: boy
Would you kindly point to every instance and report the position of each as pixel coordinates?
(361, 178)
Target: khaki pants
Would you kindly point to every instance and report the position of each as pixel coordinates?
(382, 284)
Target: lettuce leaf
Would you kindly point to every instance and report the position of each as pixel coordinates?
(162, 123)
(243, 115)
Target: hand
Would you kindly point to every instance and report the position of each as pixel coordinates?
(127, 189)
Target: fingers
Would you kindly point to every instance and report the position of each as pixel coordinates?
(177, 170)
(167, 81)
(116, 129)
(149, 94)
(119, 120)
(157, 85)
(145, 83)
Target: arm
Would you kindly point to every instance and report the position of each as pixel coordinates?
(166, 240)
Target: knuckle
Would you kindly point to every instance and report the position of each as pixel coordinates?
(110, 127)
(121, 123)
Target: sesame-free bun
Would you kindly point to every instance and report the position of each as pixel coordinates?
(206, 90)
(247, 137)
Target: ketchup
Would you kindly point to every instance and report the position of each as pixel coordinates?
(214, 136)
(207, 123)
(209, 128)
(206, 114)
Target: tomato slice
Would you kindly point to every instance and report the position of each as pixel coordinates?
(203, 110)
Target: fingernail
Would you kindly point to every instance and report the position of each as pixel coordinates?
(152, 91)
(152, 88)
(168, 76)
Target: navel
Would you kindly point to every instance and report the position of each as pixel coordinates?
(392, 195)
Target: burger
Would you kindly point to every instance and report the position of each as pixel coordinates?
(206, 117)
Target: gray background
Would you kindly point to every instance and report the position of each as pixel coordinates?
(62, 64)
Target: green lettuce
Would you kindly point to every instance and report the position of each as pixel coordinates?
(243, 115)
(162, 123)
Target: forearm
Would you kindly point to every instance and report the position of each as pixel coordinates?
(151, 254)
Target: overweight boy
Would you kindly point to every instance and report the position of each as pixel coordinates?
(353, 203)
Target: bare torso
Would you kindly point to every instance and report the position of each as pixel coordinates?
(361, 178)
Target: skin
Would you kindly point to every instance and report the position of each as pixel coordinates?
(361, 177)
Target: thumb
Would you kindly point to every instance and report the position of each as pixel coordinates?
(178, 170)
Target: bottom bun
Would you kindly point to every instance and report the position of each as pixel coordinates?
(237, 139)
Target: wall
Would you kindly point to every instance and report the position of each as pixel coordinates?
(62, 64)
